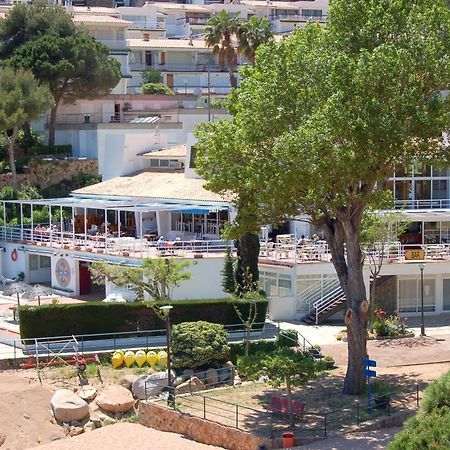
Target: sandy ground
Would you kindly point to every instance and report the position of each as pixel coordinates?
(25, 412)
(374, 440)
(128, 436)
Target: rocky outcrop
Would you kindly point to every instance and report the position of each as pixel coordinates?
(115, 399)
(191, 385)
(87, 393)
(150, 385)
(68, 406)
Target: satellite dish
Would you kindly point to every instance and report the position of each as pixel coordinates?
(197, 92)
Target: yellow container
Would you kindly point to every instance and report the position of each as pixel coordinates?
(129, 358)
(152, 358)
(162, 356)
(117, 359)
(141, 358)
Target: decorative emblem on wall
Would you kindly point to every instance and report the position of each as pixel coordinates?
(62, 272)
(14, 255)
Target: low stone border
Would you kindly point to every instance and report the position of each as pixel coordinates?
(161, 418)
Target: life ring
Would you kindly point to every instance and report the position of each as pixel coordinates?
(14, 255)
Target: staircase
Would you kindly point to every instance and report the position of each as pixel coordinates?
(328, 304)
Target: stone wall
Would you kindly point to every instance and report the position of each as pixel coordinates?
(162, 418)
(44, 174)
(386, 293)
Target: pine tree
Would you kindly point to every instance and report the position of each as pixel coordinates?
(228, 280)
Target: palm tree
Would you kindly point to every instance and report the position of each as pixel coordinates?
(220, 35)
(251, 34)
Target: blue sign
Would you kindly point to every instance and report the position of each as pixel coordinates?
(369, 373)
(369, 363)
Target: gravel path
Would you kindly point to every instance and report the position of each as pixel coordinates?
(128, 436)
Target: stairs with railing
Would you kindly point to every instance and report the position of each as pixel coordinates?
(324, 300)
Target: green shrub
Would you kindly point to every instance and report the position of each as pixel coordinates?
(151, 76)
(437, 395)
(425, 432)
(237, 350)
(99, 317)
(155, 88)
(287, 338)
(197, 345)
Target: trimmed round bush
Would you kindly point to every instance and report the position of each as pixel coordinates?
(198, 345)
(437, 395)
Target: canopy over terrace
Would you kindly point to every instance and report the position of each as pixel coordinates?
(136, 218)
(426, 226)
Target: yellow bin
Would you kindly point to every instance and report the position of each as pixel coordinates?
(141, 358)
(152, 358)
(117, 359)
(129, 358)
(162, 356)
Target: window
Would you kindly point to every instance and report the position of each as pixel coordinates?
(275, 285)
(446, 294)
(154, 163)
(192, 158)
(44, 262)
(34, 262)
(409, 295)
(312, 12)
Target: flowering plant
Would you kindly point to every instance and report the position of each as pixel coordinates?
(385, 325)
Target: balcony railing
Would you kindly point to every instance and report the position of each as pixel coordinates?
(86, 118)
(114, 44)
(179, 67)
(299, 17)
(142, 248)
(143, 25)
(422, 204)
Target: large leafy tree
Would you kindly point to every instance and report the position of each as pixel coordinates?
(76, 66)
(323, 118)
(21, 99)
(73, 64)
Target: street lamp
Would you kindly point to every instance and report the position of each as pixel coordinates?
(166, 311)
(422, 324)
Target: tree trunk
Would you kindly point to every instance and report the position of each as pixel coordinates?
(289, 399)
(247, 263)
(28, 137)
(11, 139)
(349, 268)
(233, 78)
(247, 339)
(51, 126)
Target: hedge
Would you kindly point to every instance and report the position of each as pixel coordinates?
(99, 317)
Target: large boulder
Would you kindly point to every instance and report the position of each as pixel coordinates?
(191, 385)
(150, 385)
(127, 381)
(87, 393)
(115, 399)
(212, 377)
(68, 406)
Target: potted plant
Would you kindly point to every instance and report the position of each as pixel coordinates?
(89, 249)
(329, 361)
(125, 254)
(315, 351)
(77, 248)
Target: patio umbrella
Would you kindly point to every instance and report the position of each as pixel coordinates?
(16, 288)
(37, 291)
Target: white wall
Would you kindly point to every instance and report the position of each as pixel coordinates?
(40, 275)
(74, 284)
(10, 268)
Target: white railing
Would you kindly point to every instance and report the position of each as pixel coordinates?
(422, 204)
(327, 300)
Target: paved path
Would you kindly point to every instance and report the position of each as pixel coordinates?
(127, 436)
(398, 352)
(373, 440)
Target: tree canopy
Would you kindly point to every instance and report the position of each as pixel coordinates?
(73, 64)
(323, 118)
(21, 99)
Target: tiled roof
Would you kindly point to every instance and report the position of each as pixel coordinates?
(95, 10)
(177, 151)
(168, 43)
(99, 19)
(271, 5)
(179, 7)
(153, 185)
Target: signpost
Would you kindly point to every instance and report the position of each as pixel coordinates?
(369, 373)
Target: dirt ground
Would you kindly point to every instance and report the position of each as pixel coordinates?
(130, 436)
